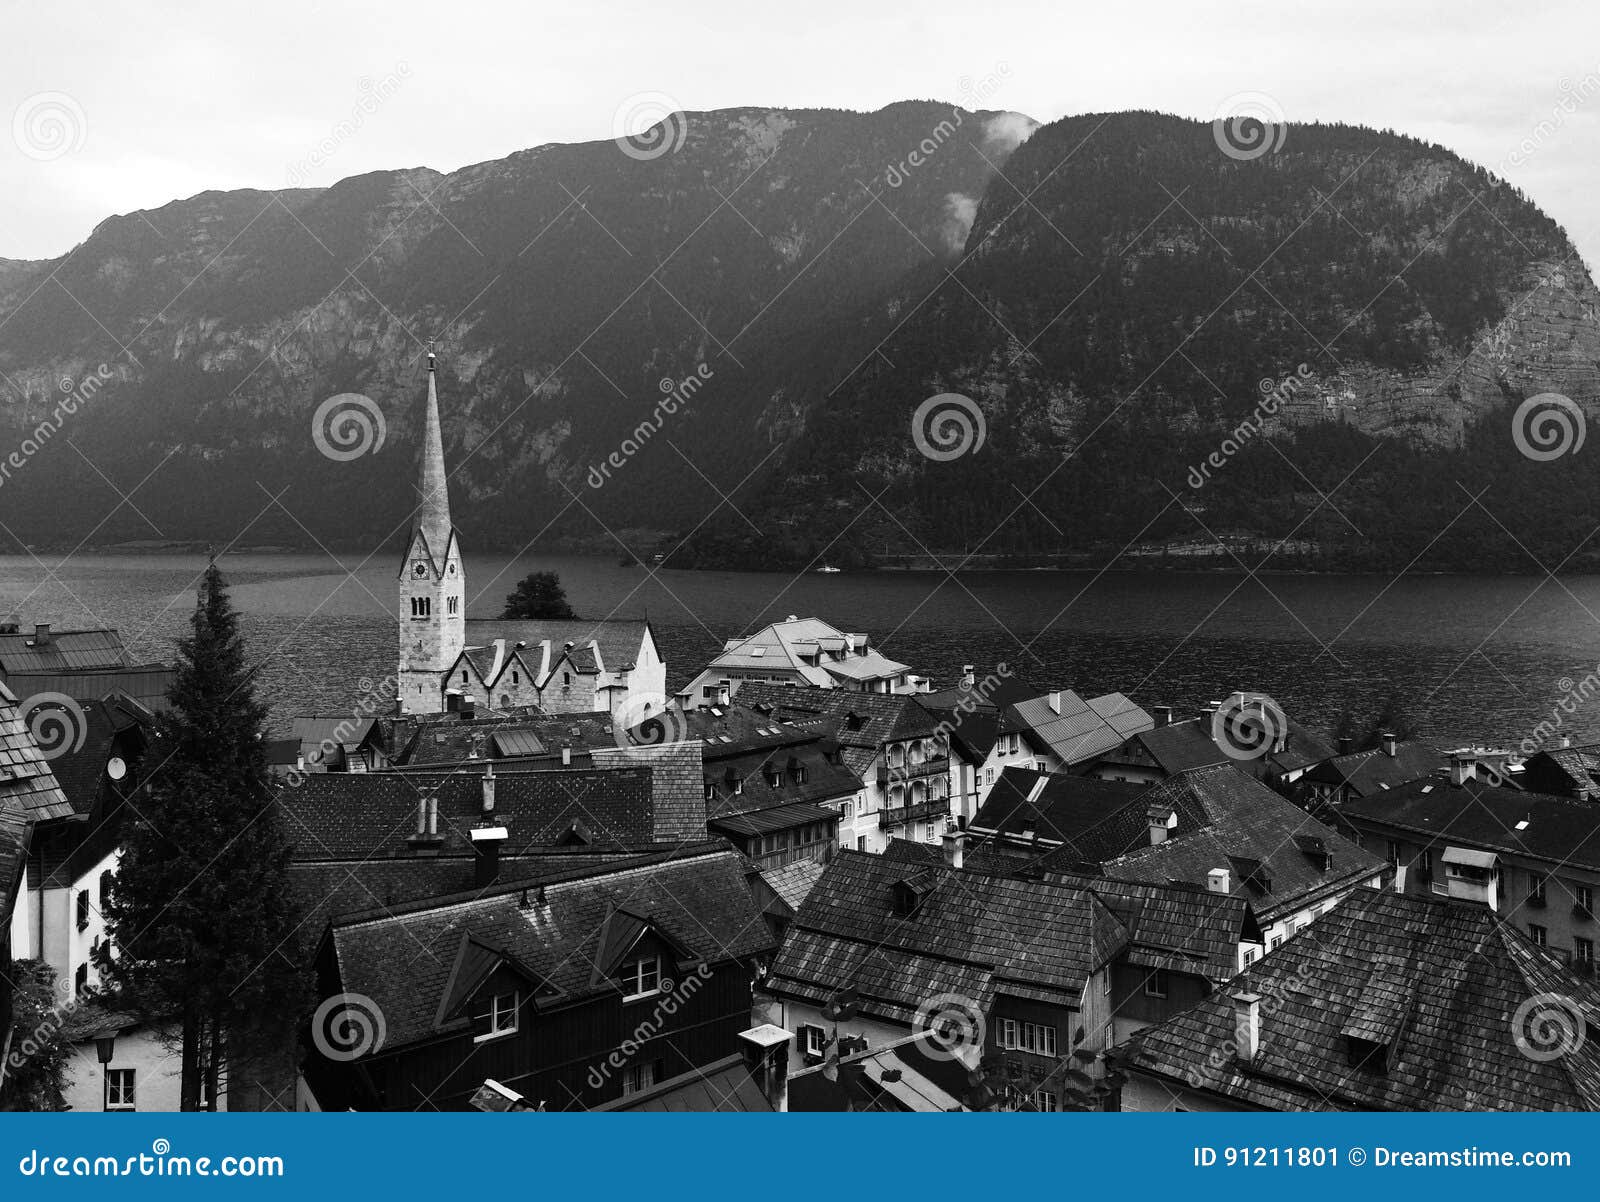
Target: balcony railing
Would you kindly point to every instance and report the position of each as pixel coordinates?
(938, 807)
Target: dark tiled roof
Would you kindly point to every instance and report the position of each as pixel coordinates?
(677, 790)
(25, 775)
(974, 934)
(1440, 982)
(1185, 928)
(879, 718)
(793, 882)
(355, 816)
(61, 651)
(329, 889)
(1563, 770)
(454, 741)
(14, 830)
(1561, 829)
(989, 691)
(824, 780)
(776, 818)
(1242, 821)
(1369, 772)
(1179, 746)
(405, 962)
(1092, 818)
(108, 722)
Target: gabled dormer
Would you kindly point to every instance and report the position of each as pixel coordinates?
(491, 989)
(639, 955)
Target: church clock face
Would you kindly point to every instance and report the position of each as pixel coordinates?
(419, 569)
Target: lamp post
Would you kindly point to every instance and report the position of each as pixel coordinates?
(105, 1046)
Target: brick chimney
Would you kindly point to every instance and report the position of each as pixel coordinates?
(1247, 1025)
(766, 1058)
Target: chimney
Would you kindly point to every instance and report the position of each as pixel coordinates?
(469, 708)
(433, 813)
(1388, 742)
(486, 841)
(1163, 715)
(1345, 743)
(41, 634)
(422, 814)
(1163, 821)
(766, 1059)
(955, 849)
(1461, 768)
(969, 675)
(1566, 741)
(1219, 880)
(488, 789)
(1247, 1025)
(724, 692)
(1055, 703)
(566, 757)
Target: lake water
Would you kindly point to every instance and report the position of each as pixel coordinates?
(1483, 658)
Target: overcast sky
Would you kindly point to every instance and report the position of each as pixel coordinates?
(167, 98)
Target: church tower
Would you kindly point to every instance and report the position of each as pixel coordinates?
(433, 581)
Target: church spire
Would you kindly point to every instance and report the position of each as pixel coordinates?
(433, 515)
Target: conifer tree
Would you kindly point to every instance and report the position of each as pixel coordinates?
(201, 914)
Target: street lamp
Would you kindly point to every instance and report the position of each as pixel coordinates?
(105, 1046)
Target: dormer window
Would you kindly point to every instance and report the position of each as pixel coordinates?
(641, 978)
(500, 1013)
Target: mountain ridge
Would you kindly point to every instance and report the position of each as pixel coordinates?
(826, 268)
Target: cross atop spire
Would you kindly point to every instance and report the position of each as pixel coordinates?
(433, 513)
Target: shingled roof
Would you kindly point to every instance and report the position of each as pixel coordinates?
(15, 828)
(1091, 820)
(970, 933)
(1281, 858)
(860, 722)
(356, 816)
(1390, 1002)
(41, 649)
(406, 962)
(25, 775)
(1180, 927)
(1372, 771)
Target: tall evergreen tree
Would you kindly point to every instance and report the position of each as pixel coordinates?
(201, 914)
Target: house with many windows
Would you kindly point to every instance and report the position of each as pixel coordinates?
(775, 791)
(1532, 858)
(897, 748)
(879, 944)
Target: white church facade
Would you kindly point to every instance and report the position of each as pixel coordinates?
(561, 666)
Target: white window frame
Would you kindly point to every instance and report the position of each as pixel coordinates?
(633, 976)
(503, 1019)
(1156, 985)
(129, 1095)
(815, 1041)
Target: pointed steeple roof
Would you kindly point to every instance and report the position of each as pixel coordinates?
(433, 510)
